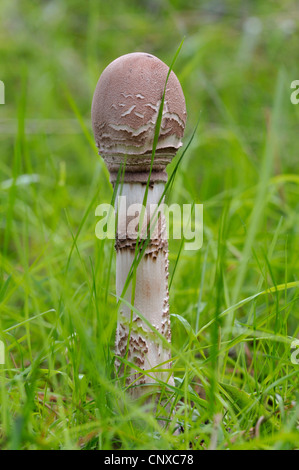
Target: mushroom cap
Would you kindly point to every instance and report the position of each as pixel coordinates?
(125, 108)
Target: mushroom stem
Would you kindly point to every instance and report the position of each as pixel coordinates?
(125, 111)
(137, 340)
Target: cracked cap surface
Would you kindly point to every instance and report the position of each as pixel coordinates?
(125, 108)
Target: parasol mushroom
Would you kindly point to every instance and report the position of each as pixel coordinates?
(125, 110)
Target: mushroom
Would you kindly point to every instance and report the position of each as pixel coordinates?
(125, 111)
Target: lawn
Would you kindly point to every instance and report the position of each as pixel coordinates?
(233, 303)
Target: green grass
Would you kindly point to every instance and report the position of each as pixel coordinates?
(234, 303)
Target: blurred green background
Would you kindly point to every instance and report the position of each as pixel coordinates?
(236, 67)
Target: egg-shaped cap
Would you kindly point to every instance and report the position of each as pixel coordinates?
(125, 108)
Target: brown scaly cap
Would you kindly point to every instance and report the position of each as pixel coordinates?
(124, 112)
